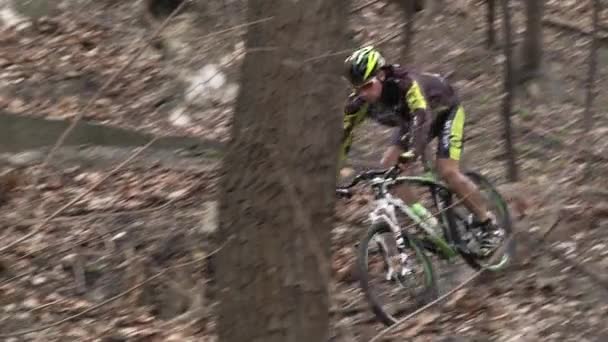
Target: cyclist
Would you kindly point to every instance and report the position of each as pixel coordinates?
(421, 106)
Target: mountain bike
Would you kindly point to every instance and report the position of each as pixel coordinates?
(452, 237)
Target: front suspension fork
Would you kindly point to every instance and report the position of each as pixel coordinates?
(388, 217)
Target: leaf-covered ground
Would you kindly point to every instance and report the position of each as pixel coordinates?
(154, 215)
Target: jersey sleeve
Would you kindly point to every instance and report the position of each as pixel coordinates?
(421, 117)
(355, 112)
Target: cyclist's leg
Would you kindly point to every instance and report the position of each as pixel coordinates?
(403, 191)
(449, 150)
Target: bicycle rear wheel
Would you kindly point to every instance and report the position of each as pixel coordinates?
(457, 217)
(390, 300)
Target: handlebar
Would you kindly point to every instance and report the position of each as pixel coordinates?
(345, 192)
(392, 172)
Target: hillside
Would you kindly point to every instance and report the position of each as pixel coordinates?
(159, 212)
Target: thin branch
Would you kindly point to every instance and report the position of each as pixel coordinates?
(589, 96)
(77, 198)
(96, 215)
(103, 332)
(593, 274)
(94, 98)
(23, 274)
(79, 276)
(118, 296)
(40, 307)
(408, 30)
(490, 31)
(20, 275)
(539, 242)
(96, 238)
(554, 225)
(126, 161)
(507, 101)
(229, 29)
(569, 26)
(139, 51)
(386, 38)
(365, 5)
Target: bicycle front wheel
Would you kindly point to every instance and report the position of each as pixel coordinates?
(391, 299)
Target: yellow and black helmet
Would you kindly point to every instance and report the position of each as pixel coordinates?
(362, 65)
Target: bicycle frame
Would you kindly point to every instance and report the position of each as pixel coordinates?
(387, 204)
(453, 242)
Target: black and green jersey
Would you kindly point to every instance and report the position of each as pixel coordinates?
(418, 103)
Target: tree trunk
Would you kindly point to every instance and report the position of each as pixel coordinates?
(279, 177)
(409, 11)
(409, 8)
(507, 103)
(490, 31)
(532, 49)
(588, 119)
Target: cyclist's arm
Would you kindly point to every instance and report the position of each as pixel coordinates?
(421, 118)
(355, 112)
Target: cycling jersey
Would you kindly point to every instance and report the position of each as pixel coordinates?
(420, 105)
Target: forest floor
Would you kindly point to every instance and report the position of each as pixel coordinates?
(156, 216)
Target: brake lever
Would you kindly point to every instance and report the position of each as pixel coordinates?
(345, 193)
(393, 172)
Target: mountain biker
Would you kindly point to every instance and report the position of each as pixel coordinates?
(421, 106)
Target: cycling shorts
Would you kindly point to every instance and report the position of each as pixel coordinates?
(448, 128)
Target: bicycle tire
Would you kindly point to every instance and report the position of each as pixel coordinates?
(430, 291)
(504, 219)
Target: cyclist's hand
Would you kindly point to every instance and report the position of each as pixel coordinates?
(346, 172)
(406, 158)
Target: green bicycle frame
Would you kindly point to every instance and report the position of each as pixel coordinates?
(429, 179)
(441, 247)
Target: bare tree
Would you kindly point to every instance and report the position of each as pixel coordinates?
(532, 50)
(588, 116)
(409, 9)
(490, 31)
(507, 103)
(279, 176)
